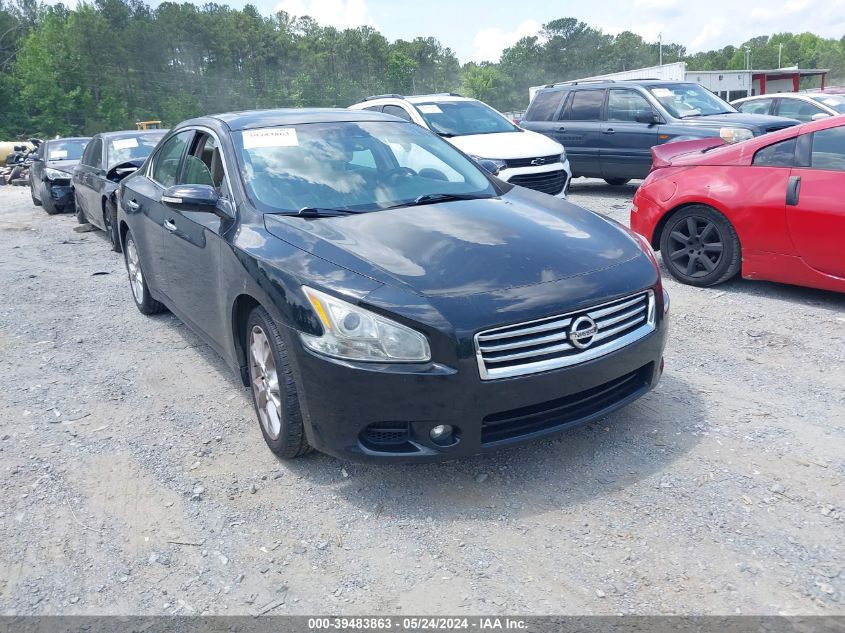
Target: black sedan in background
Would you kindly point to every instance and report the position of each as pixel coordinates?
(382, 295)
(108, 158)
(51, 171)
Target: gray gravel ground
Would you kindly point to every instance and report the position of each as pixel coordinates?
(136, 480)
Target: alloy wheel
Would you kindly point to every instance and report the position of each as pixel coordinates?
(695, 247)
(265, 382)
(133, 264)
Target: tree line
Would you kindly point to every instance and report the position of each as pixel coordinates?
(105, 65)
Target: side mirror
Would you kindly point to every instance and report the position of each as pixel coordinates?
(489, 166)
(192, 198)
(35, 158)
(820, 116)
(647, 116)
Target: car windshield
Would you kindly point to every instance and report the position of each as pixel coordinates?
(462, 118)
(686, 100)
(128, 148)
(831, 101)
(66, 149)
(352, 166)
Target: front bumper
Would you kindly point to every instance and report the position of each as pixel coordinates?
(61, 193)
(340, 401)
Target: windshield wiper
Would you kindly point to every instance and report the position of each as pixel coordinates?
(324, 212)
(434, 198)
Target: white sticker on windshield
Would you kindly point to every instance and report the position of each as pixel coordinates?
(58, 154)
(430, 108)
(270, 137)
(125, 143)
(831, 102)
(662, 92)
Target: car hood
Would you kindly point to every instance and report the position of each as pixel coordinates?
(737, 119)
(62, 165)
(504, 145)
(467, 247)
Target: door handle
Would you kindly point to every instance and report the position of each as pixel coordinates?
(609, 130)
(793, 189)
(170, 225)
(133, 205)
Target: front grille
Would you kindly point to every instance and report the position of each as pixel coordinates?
(550, 182)
(571, 410)
(564, 339)
(527, 162)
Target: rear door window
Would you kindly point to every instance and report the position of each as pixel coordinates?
(544, 105)
(586, 105)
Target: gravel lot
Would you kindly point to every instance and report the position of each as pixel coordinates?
(137, 482)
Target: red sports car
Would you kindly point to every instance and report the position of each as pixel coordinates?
(772, 207)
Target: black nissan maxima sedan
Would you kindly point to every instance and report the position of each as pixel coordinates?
(108, 158)
(383, 295)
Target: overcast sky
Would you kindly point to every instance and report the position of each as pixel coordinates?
(480, 29)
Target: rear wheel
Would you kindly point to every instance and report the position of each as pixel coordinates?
(110, 222)
(700, 247)
(140, 291)
(273, 389)
(617, 182)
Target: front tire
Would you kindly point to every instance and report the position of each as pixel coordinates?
(80, 214)
(137, 282)
(273, 388)
(47, 200)
(617, 182)
(700, 247)
(110, 222)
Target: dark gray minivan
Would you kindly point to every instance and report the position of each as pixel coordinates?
(609, 127)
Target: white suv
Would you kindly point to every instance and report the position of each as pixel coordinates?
(522, 157)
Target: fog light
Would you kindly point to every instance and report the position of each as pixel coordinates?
(441, 432)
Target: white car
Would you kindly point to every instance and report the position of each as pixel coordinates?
(803, 106)
(522, 157)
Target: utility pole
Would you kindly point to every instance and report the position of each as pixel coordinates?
(660, 46)
(747, 58)
(780, 52)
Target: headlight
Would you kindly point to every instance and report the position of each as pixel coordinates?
(563, 156)
(354, 333)
(500, 164)
(55, 174)
(735, 134)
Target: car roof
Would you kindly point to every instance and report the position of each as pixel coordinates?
(68, 138)
(611, 83)
(130, 133)
(251, 119)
